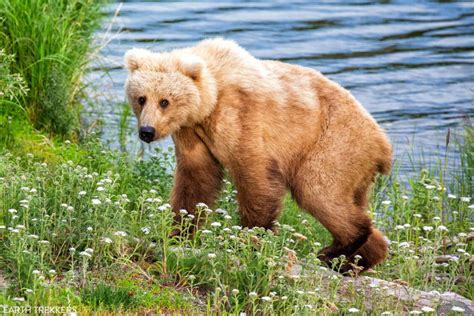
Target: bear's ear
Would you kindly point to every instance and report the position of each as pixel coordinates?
(136, 57)
(192, 66)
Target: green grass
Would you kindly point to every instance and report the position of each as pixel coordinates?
(101, 222)
(50, 41)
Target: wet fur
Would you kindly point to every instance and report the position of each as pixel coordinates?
(275, 127)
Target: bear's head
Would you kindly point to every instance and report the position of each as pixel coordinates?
(168, 91)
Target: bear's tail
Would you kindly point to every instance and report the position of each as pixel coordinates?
(384, 163)
(384, 167)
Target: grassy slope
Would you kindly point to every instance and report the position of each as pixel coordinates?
(57, 209)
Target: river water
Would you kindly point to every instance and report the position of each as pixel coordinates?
(410, 63)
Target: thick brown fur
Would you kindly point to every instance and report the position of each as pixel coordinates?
(274, 127)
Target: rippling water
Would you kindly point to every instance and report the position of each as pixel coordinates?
(411, 64)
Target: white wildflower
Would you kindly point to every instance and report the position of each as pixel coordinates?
(415, 312)
(429, 186)
(36, 272)
(12, 211)
(452, 196)
(52, 271)
(19, 299)
(89, 229)
(386, 202)
(235, 291)
(85, 254)
(96, 202)
(211, 255)
(106, 240)
(253, 294)
(465, 199)
(120, 233)
(164, 207)
(145, 230)
(237, 227)
(457, 309)
(427, 309)
(266, 299)
(404, 244)
(427, 228)
(82, 193)
(405, 197)
(442, 228)
(353, 310)
(227, 217)
(183, 212)
(216, 224)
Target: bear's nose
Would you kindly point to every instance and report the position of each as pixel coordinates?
(146, 133)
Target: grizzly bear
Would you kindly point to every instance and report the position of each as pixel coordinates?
(274, 127)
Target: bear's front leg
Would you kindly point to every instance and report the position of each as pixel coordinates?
(198, 176)
(260, 190)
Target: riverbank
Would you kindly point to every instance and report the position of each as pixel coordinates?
(88, 227)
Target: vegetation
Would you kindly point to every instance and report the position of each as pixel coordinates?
(50, 42)
(88, 228)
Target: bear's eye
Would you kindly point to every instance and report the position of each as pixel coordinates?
(164, 103)
(141, 100)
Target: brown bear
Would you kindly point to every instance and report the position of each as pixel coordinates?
(274, 127)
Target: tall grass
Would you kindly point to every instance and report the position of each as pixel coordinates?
(50, 40)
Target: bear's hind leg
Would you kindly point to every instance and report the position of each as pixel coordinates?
(345, 218)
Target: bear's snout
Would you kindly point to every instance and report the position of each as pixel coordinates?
(146, 133)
